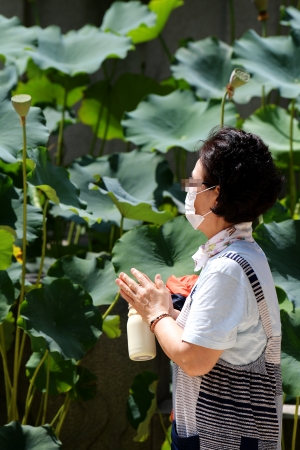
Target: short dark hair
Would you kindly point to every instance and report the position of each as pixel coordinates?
(242, 165)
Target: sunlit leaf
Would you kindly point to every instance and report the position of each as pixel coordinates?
(175, 120)
(64, 316)
(25, 437)
(6, 250)
(166, 250)
(77, 51)
(111, 326)
(123, 17)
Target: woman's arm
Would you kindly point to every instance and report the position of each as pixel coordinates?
(151, 300)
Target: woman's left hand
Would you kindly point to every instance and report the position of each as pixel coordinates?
(149, 299)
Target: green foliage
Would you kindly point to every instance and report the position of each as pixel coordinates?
(111, 326)
(7, 293)
(290, 356)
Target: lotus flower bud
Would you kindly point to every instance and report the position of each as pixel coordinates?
(237, 78)
(21, 103)
(262, 6)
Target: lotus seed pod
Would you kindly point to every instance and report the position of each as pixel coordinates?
(261, 5)
(21, 103)
(238, 78)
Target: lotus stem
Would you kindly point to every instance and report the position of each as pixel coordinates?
(7, 380)
(44, 242)
(31, 386)
(121, 225)
(111, 237)
(60, 140)
(63, 416)
(163, 425)
(263, 96)
(95, 136)
(293, 447)
(70, 234)
(40, 409)
(232, 21)
(111, 307)
(57, 415)
(223, 108)
(21, 350)
(264, 29)
(165, 47)
(77, 235)
(292, 180)
(47, 391)
(35, 12)
(103, 142)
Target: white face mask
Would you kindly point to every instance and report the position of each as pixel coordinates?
(190, 212)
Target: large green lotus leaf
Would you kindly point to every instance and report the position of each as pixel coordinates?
(8, 80)
(7, 291)
(290, 352)
(95, 275)
(141, 403)
(166, 250)
(62, 373)
(175, 120)
(151, 172)
(281, 244)
(290, 16)
(162, 9)
(86, 386)
(46, 175)
(129, 206)
(6, 249)
(11, 211)
(15, 436)
(14, 38)
(63, 314)
(272, 124)
(275, 60)
(111, 326)
(206, 65)
(77, 51)
(121, 17)
(124, 95)
(11, 140)
(277, 213)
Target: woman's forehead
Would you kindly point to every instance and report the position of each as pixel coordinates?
(198, 170)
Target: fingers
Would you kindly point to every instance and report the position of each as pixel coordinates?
(141, 277)
(126, 289)
(129, 282)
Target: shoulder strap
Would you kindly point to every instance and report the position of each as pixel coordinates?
(257, 290)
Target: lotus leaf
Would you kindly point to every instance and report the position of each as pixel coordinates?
(77, 51)
(272, 124)
(6, 250)
(129, 206)
(175, 120)
(64, 316)
(121, 17)
(274, 61)
(95, 275)
(112, 101)
(62, 373)
(283, 300)
(8, 80)
(11, 211)
(290, 352)
(86, 386)
(45, 175)
(166, 250)
(11, 141)
(141, 403)
(162, 9)
(14, 38)
(111, 326)
(15, 436)
(53, 119)
(290, 16)
(277, 213)
(281, 244)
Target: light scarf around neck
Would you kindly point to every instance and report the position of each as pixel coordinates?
(239, 232)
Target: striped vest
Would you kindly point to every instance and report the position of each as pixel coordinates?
(237, 407)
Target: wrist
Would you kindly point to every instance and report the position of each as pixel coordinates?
(154, 322)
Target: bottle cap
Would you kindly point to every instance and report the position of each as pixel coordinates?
(131, 310)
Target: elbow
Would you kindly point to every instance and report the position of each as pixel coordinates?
(194, 370)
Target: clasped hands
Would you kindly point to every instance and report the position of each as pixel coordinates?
(149, 299)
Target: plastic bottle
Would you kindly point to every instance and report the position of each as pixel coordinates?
(141, 341)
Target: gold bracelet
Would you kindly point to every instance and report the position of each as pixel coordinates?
(154, 321)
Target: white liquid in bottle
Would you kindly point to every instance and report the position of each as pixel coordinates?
(141, 341)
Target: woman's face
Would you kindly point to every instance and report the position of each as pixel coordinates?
(207, 199)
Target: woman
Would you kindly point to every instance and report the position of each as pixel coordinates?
(225, 343)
